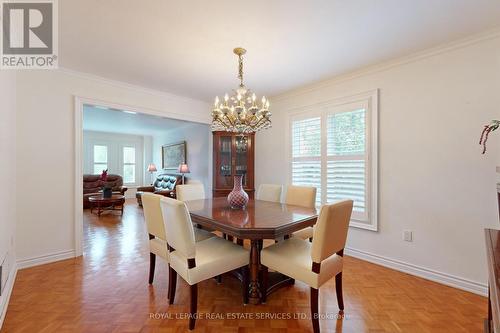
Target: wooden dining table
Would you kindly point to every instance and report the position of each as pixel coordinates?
(259, 220)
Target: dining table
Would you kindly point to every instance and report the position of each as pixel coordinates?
(258, 221)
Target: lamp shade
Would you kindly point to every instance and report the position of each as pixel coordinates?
(152, 167)
(183, 168)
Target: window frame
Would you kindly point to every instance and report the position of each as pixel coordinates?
(369, 101)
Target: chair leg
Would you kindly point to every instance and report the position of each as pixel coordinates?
(265, 283)
(338, 289)
(314, 310)
(193, 306)
(152, 263)
(244, 284)
(218, 278)
(172, 284)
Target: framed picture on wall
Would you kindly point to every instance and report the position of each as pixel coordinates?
(172, 155)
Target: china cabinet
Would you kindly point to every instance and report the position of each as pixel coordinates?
(233, 155)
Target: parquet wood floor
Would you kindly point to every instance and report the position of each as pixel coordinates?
(107, 290)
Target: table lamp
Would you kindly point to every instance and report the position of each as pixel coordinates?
(152, 169)
(183, 169)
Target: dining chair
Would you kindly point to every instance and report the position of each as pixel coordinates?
(304, 196)
(188, 192)
(197, 261)
(194, 191)
(156, 231)
(269, 192)
(313, 263)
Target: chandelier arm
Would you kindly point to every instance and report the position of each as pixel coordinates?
(231, 123)
(259, 122)
(225, 123)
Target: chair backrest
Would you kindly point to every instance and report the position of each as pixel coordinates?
(330, 232)
(153, 215)
(304, 196)
(190, 192)
(269, 192)
(166, 182)
(178, 225)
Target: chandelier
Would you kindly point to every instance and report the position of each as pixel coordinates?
(240, 112)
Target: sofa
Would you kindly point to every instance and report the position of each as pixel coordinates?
(164, 184)
(92, 185)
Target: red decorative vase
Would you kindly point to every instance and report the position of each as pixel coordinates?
(238, 198)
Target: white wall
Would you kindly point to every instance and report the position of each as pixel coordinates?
(8, 181)
(432, 177)
(46, 151)
(114, 141)
(199, 151)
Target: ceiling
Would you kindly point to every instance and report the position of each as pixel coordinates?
(185, 47)
(117, 121)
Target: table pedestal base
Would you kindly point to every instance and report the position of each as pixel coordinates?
(276, 281)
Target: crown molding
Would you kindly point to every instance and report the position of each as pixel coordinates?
(386, 65)
(125, 85)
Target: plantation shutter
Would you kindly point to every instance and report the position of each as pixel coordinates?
(347, 160)
(306, 154)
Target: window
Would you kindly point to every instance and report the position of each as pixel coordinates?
(129, 165)
(334, 149)
(100, 159)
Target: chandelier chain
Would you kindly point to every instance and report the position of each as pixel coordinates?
(240, 70)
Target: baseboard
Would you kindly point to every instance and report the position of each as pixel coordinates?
(9, 286)
(429, 274)
(45, 259)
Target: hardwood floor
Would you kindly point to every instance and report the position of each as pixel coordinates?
(107, 290)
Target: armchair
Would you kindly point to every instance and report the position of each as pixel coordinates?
(164, 185)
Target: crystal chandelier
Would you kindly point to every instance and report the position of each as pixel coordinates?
(240, 112)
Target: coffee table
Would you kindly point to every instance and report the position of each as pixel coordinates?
(115, 202)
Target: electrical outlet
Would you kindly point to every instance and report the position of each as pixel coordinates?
(408, 235)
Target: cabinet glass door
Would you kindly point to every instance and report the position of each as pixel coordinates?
(241, 154)
(225, 159)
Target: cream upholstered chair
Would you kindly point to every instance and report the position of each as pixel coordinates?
(156, 230)
(317, 262)
(269, 192)
(304, 196)
(188, 192)
(193, 191)
(197, 261)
